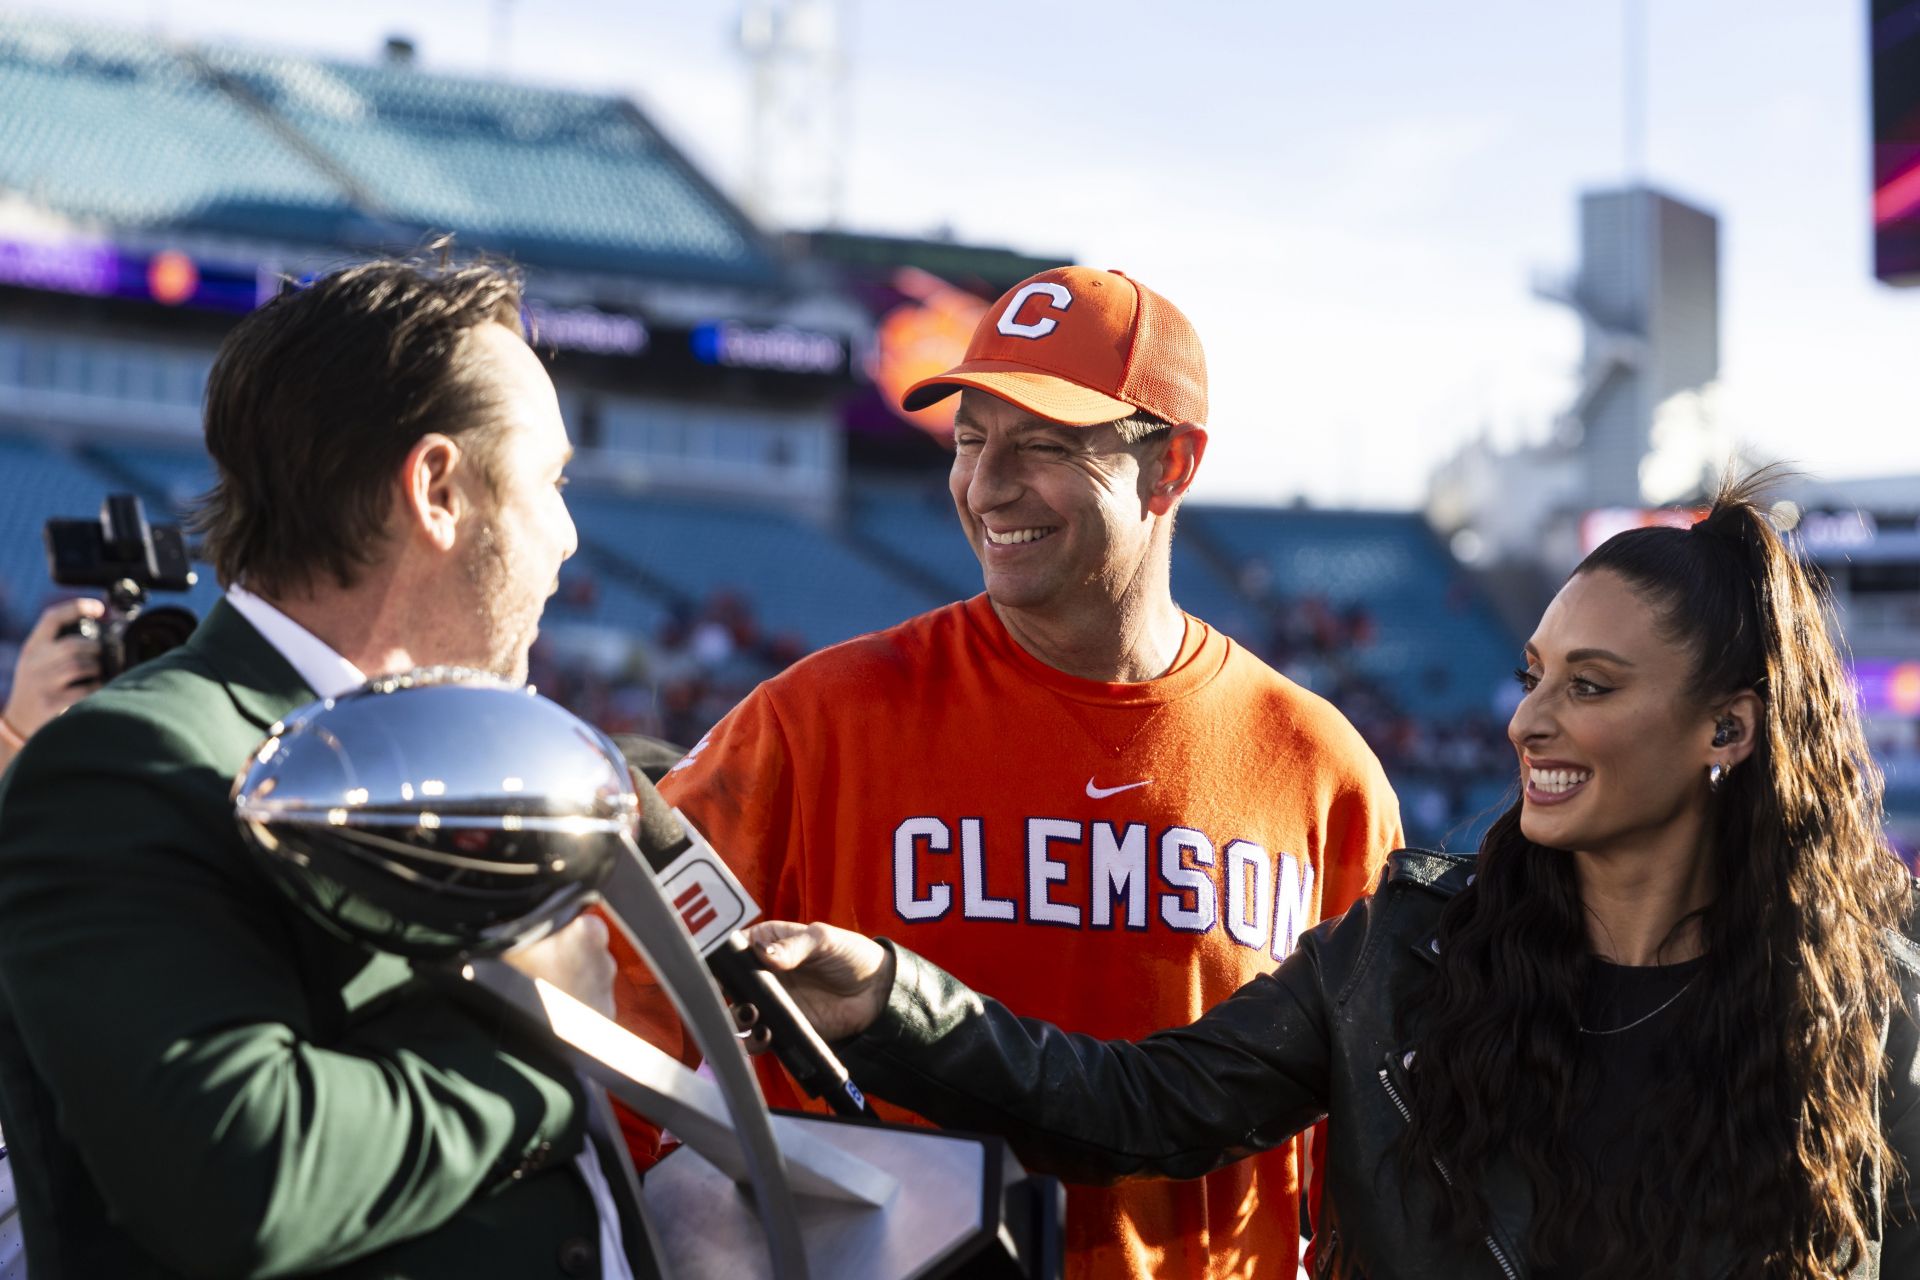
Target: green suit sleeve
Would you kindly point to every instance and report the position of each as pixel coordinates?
(162, 996)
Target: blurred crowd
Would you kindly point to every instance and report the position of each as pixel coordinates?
(1453, 774)
(1448, 772)
(674, 685)
(677, 683)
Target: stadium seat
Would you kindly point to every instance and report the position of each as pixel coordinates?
(127, 131)
(1437, 643)
(133, 131)
(801, 580)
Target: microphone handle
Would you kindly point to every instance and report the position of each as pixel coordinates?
(747, 980)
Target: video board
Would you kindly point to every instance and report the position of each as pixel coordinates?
(1895, 37)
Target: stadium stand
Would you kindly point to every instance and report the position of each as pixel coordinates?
(636, 628)
(45, 481)
(489, 158)
(41, 481)
(135, 132)
(121, 132)
(802, 580)
(168, 477)
(1435, 639)
(680, 598)
(916, 522)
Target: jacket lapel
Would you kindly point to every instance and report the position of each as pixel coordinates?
(263, 685)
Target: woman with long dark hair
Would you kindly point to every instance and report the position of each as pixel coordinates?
(1662, 1025)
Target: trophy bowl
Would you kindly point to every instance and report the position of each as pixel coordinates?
(439, 814)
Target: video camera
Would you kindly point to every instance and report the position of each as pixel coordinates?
(128, 557)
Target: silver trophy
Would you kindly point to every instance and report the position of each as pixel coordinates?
(448, 816)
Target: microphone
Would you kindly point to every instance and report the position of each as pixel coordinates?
(711, 903)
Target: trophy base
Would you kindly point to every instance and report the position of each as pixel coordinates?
(962, 1207)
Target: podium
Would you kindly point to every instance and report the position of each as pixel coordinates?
(447, 816)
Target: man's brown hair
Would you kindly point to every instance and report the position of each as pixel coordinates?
(1139, 427)
(315, 399)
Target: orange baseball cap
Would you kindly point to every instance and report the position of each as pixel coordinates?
(1078, 346)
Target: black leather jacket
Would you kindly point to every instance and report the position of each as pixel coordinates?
(1313, 1038)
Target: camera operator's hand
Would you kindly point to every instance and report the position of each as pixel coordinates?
(575, 959)
(53, 673)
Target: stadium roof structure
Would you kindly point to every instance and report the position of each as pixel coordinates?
(994, 270)
(122, 130)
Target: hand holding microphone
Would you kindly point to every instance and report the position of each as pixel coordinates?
(838, 978)
(711, 903)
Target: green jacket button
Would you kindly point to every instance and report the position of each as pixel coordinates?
(578, 1257)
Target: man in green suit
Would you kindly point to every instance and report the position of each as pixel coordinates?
(195, 1079)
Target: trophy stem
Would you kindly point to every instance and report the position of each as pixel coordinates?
(663, 1090)
(648, 920)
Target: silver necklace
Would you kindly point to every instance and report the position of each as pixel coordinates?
(1661, 1008)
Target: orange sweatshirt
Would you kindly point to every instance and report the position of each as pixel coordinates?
(1114, 858)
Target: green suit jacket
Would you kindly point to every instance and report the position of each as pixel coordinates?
(194, 1078)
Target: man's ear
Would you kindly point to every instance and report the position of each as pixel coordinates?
(1179, 463)
(431, 502)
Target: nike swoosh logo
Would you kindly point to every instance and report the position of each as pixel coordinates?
(1101, 793)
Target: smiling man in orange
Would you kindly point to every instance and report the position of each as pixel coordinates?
(1066, 790)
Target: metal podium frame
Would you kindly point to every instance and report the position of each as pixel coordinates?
(755, 1193)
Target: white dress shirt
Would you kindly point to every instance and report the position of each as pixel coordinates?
(330, 675)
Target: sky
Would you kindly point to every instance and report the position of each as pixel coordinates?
(1349, 201)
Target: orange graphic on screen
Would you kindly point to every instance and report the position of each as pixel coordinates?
(922, 337)
(172, 278)
(1903, 691)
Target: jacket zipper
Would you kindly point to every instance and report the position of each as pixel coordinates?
(1493, 1246)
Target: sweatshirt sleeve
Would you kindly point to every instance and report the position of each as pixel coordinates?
(1363, 827)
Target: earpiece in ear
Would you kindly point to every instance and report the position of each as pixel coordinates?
(1723, 731)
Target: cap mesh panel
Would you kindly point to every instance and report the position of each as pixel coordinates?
(1169, 371)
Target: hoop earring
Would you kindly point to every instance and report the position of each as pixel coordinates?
(1716, 774)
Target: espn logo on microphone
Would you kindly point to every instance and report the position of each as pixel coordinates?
(703, 892)
(695, 907)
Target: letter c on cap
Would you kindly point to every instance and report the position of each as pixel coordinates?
(1010, 324)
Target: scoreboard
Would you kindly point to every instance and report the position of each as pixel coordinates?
(1894, 33)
